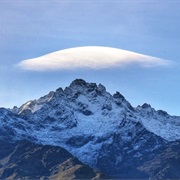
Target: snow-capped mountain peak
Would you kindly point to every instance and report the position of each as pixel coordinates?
(92, 124)
(83, 100)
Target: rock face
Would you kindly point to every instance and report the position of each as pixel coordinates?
(101, 130)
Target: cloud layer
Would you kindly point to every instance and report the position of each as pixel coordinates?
(90, 57)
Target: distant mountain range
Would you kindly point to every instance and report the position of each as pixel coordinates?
(84, 132)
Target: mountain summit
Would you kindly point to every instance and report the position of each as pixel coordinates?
(101, 130)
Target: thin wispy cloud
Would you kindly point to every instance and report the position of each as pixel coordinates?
(90, 57)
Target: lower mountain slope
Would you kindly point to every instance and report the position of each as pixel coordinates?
(26, 160)
(166, 163)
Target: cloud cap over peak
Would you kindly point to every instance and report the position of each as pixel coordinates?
(90, 57)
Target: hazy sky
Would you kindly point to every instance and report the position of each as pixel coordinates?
(30, 29)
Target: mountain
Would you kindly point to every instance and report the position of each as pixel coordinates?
(101, 130)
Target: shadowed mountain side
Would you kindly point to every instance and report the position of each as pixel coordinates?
(165, 165)
(27, 160)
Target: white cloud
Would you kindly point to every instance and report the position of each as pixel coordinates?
(90, 57)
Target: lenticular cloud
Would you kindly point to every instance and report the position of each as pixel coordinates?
(90, 57)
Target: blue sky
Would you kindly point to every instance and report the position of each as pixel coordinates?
(30, 29)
